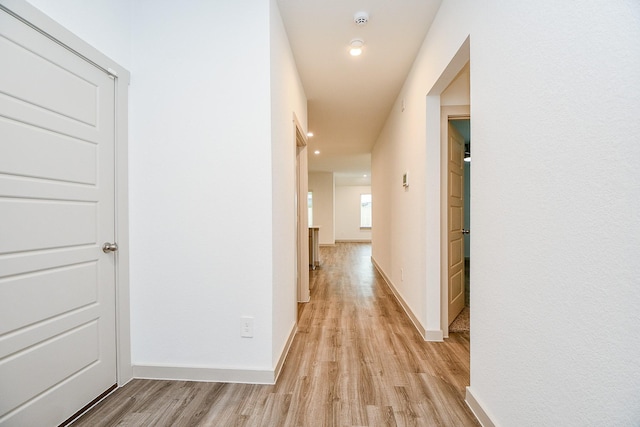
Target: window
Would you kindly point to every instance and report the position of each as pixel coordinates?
(310, 207)
(365, 211)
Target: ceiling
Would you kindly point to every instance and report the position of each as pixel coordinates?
(349, 98)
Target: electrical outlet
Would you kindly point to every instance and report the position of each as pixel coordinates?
(246, 324)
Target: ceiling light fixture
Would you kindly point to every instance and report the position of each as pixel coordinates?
(355, 47)
(316, 152)
(309, 134)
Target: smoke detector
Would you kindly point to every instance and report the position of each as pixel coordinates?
(361, 18)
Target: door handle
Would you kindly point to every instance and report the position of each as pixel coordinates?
(464, 231)
(109, 247)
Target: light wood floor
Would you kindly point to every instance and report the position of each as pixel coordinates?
(356, 361)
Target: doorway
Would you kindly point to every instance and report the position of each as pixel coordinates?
(459, 288)
(454, 218)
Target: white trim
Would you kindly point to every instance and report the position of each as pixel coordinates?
(123, 303)
(285, 352)
(50, 28)
(434, 335)
(433, 196)
(218, 375)
(483, 418)
(300, 161)
(401, 300)
(195, 373)
(352, 241)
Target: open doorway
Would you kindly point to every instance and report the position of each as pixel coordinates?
(455, 139)
(454, 244)
(459, 148)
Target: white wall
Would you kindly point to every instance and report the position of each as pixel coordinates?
(458, 92)
(212, 163)
(556, 329)
(287, 98)
(106, 24)
(348, 213)
(322, 185)
(201, 198)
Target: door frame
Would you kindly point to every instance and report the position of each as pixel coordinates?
(433, 298)
(447, 113)
(40, 22)
(302, 222)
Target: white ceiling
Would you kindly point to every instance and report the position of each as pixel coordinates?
(349, 97)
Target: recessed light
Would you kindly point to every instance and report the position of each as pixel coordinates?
(355, 47)
(309, 134)
(365, 175)
(316, 152)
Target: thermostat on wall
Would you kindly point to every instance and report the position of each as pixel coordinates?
(405, 179)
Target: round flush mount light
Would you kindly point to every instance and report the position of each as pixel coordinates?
(361, 18)
(355, 47)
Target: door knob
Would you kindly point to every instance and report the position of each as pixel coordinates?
(109, 247)
(464, 231)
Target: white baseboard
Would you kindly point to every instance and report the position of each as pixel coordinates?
(193, 373)
(285, 352)
(402, 302)
(477, 409)
(434, 335)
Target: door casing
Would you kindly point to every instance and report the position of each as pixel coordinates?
(302, 220)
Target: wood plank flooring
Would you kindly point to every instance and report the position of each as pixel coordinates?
(356, 361)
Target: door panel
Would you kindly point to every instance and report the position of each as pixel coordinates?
(40, 153)
(455, 222)
(30, 224)
(77, 289)
(57, 287)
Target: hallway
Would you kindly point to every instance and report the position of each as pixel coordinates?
(356, 361)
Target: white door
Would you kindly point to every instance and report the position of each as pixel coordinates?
(57, 287)
(455, 222)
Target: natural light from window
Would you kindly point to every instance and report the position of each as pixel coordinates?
(365, 211)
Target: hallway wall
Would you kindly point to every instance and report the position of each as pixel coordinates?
(322, 184)
(555, 320)
(211, 179)
(287, 98)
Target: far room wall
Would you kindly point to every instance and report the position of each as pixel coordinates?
(322, 185)
(348, 214)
